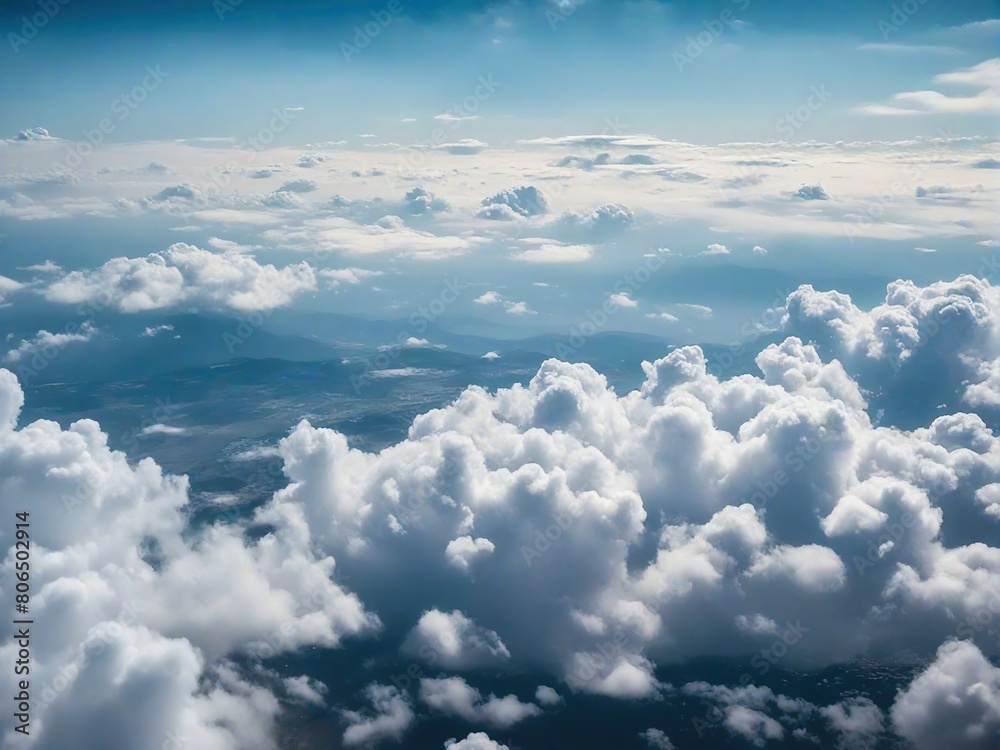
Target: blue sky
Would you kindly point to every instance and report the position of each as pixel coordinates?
(562, 68)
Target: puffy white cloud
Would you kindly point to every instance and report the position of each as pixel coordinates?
(656, 739)
(151, 331)
(600, 224)
(184, 275)
(547, 696)
(622, 299)
(811, 193)
(524, 200)
(393, 716)
(46, 343)
(555, 253)
(716, 249)
(767, 507)
(475, 741)
(140, 627)
(462, 551)
(32, 134)
(298, 186)
(943, 336)
(419, 200)
(7, 286)
(858, 722)
(954, 703)
(453, 641)
(306, 690)
(455, 697)
(353, 276)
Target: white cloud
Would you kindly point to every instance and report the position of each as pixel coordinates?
(389, 235)
(656, 739)
(44, 343)
(47, 267)
(452, 641)
(623, 300)
(954, 703)
(716, 249)
(453, 696)
(524, 201)
(163, 429)
(857, 721)
(353, 276)
(475, 741)
(141, 644)
(663, 316)
(7, 286)
(298, 186)
(450, 117)
(393, 716)
(546, 696)
(495, 298)
(703, 311)
(983, 77)
(185, 275)
(929, 49)
(488, 298)
(555, 253)
(151, 331)
(758, 250)
(306, 690)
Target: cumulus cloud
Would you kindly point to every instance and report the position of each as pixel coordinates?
(141, 627)
(33, 134)
(656, 739)
(622, 299)
(954, 703)
(906, 339)
(419, 200)
(185, 275)
(453, 696)
(857, 722)
(811, 193)
(151, 331)
(716, 249)
(393, 714)
(685, 465)
(453, 641)
(524, 201)
(599, 224)
(552, 252)
(7, 286)
(298, 186)
(547, 696)
(495, 298)
(605, 532)
(44, 343)
(475, 741)
(352, 276)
